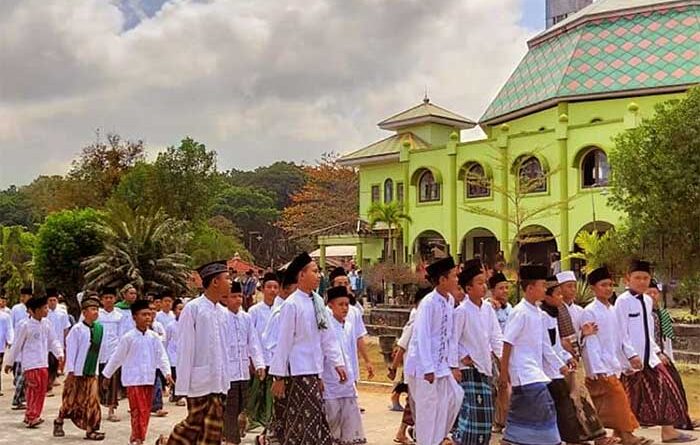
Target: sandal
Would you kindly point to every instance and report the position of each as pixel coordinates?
(58, 428)
(34, 423)
(94, 435)
(681, 438)
(608, 440)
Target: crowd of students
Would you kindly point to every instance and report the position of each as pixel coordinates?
(543, 372)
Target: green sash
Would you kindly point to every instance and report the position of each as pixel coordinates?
(96, 331)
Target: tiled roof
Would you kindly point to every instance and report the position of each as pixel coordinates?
(389, 146)
(656, 47)
(425, 112)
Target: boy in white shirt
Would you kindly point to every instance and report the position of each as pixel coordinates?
(431, 367)
(19, 315)
(81, 398)
(139, 354)
(110, 318)
(7, 333)
(603, 355)
(340, 398)
(165, 315)
(526, 351)
(478, 337)
(171, 339)
(60, 324)
(243, 347)
(34, 339)
(157, 403)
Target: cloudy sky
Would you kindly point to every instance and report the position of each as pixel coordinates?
(257, 80)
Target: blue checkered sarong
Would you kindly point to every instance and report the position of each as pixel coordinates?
(473, 425)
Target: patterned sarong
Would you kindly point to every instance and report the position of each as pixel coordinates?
(259, 404)
(654, 397)
(81, 402)
(612, 404)
(345, 421)
(18, 381)
(304, 421)
(685, 423)
(571, 428)
(140, 398)
(274, 432)
(235, 401)
(532, 418)
(204, 423)
(473, 425)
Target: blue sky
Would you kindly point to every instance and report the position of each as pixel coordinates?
(533, 14)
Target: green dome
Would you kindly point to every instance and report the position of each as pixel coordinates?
(612, 48)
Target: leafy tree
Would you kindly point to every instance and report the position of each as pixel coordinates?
(249, 208)
(137, 187)
(282, 179)
(184, 181)
(49, 194)
(143, 248)
(210, 244)
(392, 214)
(64, 240)
(101, 166)
(16, 246)
(328, 199)
(656, 181)
(15, 208)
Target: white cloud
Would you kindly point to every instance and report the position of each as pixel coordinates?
(258, 80)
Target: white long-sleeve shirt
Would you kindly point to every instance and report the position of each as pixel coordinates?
(478, 335)
(407, 331)
(634, 330)
(77, 347)
(345, 333)
(7, 332)
(126, 323)
(201, 349)
(551, 326)
(531, 347)
(33, 341)
(359, 331)
(59, 322)
(171, 339)
(271, 332)
(165, 318)
(243, 346)
(110, 322)
(604, 352)
(433, 348)
(139, 354)
(302, 346)
(260, 314)
(575, 311)
(19, 314)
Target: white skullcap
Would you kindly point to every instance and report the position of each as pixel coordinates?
(566, 276)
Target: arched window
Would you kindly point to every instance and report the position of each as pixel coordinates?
(531, 176)
(477, 184)
(595, 170)
(429, 190)
(388, 190)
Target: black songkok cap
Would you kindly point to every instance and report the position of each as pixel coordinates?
(51, 292)
(213, 268)
(236, 288)
(440, 267)
(552, 282)
(108, 291)
(297, 265)
(421, 293)
(270, 276)
(337, 272)
(90, 302)
(26, 291)
(337, 292)
(496, 278)
(167, 293)
(640, 266)
(471, 269)
(533, 272)
(139, 305)
(598, 275)
(35, 303)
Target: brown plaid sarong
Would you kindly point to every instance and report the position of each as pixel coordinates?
(81, 402)
(109, 396)
(204, 422)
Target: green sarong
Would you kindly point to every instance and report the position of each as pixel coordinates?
(259, 407)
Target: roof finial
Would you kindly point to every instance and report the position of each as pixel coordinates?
(426, 99)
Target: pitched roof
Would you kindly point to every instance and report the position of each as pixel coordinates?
(388, 147)
(423, 113)
(604, 50)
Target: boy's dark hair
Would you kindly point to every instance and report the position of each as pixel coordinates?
(206, 281)
(525, 283)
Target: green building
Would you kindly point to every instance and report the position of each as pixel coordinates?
(584, 80)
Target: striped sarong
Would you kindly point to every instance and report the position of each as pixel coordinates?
(654, 397)
(204, 423)
(532, 418)
(473, 425)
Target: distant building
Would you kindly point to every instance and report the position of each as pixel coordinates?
(558, 10)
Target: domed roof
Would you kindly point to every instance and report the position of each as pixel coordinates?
(612, 48)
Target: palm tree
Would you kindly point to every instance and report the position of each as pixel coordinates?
(594, 247)
(392, 214)
(142, 248)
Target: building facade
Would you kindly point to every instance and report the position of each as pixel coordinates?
(541, 173)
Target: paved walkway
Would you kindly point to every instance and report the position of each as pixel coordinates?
(380, 423)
